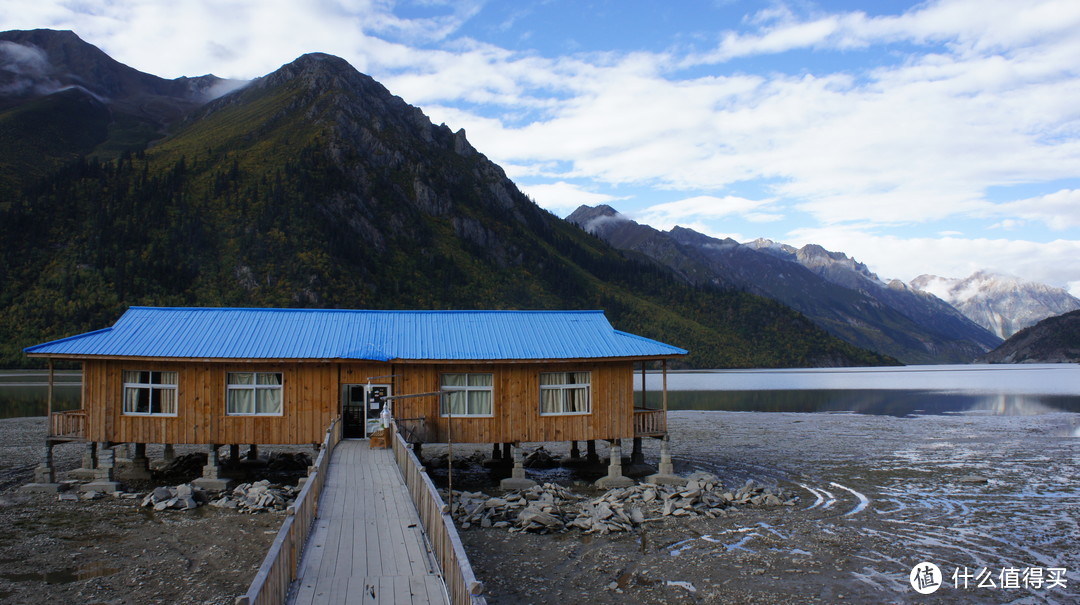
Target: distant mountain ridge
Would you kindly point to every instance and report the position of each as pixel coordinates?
(838, 293)
(1052, 340)
(1002, 304)
(84, 102)
(312, 186)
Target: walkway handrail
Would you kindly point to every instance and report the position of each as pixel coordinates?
(457, 572)
(279, 568)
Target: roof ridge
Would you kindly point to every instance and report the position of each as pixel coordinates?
(413, 311)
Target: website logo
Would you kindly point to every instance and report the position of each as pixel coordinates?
(925, 578)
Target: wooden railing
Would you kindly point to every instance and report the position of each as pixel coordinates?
(439, 526)
(279, 568)
(650, 423)
(413, 430)
(68, 425)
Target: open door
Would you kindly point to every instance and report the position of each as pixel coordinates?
(360, 408)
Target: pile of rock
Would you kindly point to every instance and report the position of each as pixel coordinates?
(257, 497)
(181, 497)
(552, 508)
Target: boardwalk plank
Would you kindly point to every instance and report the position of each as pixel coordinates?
(367, 545)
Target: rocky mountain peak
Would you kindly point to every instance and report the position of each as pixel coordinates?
(1003, 304)
(596, 219)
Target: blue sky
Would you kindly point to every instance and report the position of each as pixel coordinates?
(938, 137)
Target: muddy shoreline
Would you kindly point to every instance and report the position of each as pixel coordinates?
(876, 495)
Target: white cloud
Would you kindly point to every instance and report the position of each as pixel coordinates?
(563, 197)
(705, 207)
(1056, 263)
(1058, 211)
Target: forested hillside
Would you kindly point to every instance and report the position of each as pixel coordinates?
(315, 187)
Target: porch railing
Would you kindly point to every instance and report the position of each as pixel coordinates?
(69, 425)
(461, 584)
(650, 423)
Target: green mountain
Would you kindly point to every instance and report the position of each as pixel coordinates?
(315, 187)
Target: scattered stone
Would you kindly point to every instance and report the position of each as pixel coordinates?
(553, 508)
(287, 461)
(685, 585)
(972, 479)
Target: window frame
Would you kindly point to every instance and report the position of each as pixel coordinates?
(151, 387)
(563, 387)
(255, 387)
(444, 401)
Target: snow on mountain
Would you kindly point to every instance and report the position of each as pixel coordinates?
(1003, 304)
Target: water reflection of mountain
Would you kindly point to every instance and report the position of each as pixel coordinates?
(875, 402)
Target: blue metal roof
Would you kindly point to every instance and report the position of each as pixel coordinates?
(226, 333)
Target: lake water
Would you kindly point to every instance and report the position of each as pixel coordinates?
(1013, 390)
(26, 392)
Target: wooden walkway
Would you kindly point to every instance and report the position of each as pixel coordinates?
(367, 545)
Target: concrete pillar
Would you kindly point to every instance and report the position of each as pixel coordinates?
(517, 478)
(105, 473)
(44, 474)
(590, 452)
(615, 476)
(168, 454)
(666, 474)
(88, 469)
(89, 457)
(211, 479)
(140, 465)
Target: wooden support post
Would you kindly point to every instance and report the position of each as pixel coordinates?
(253, 452)
(496, 452)
(664, 366)
(575, 453)
(49, 400)
(644, 389)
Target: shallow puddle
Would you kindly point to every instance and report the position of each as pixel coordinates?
(64, 576)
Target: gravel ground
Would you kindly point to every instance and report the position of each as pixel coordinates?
(877, 495)
(112, 551)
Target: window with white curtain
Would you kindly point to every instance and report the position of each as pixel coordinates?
(253, 394)
(150, 393)
(565, 393)
(467, 394)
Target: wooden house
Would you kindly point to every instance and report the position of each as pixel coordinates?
(225, 376)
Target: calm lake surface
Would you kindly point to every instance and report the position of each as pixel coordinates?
(1012, 390)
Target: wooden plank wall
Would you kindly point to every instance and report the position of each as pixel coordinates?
(516, 396)
(311, 396)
